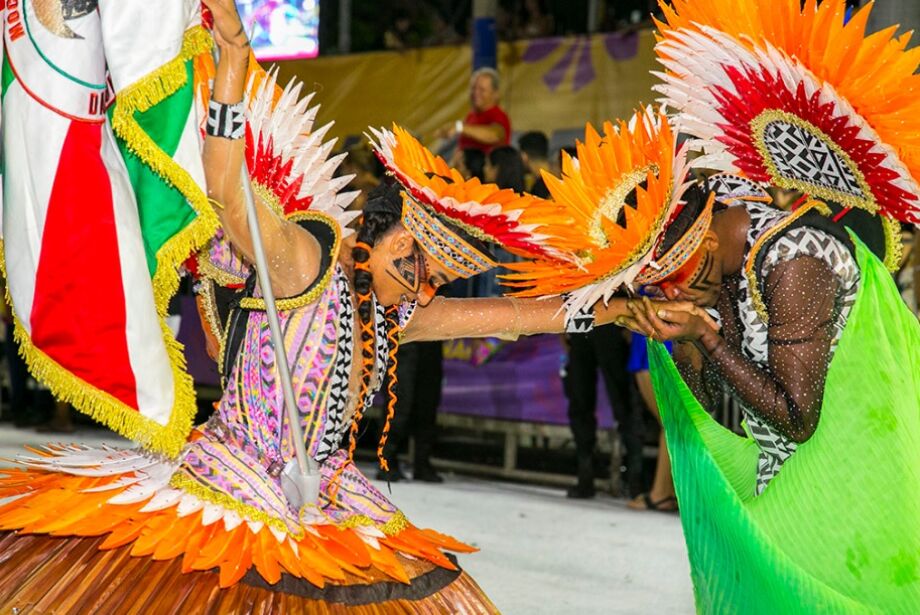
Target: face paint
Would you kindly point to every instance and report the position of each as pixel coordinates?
(692, 281)
(409, 270)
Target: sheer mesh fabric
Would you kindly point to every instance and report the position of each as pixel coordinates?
(801, 297)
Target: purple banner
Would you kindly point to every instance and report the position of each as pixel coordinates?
(516, 381)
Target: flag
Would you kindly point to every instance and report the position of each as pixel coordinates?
(103, 199)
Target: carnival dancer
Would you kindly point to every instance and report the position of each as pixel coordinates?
(815, 510)
(106, 530)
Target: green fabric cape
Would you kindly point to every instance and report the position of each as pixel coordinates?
(838, 529)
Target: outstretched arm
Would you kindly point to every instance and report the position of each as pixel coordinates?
(292, 253)
(502, 317)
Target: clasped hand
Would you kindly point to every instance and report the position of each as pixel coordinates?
(667, 320)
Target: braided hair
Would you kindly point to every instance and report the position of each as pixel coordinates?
(382, 213)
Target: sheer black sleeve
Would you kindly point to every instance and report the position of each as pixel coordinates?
(800, 297)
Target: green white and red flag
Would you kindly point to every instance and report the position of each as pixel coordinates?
(103, 200)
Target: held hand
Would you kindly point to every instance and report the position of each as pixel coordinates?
(678, 321)
(228, 28)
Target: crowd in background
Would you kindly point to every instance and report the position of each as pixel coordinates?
(408, 24)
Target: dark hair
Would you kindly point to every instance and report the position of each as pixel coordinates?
(510, 167)
(695, 201)
(475, 161)
(534, 144)
(382, 212)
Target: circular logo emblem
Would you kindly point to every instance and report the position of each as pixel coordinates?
(54, 48)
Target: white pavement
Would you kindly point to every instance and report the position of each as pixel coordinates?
(540, 552)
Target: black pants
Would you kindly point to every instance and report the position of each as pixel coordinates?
(419, 372)
(604, 350)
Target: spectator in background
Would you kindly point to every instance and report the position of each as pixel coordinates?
(442, 31)
(535, 153)
(605, 349)
(471, 163)
(420, 372)
(660, 495)
(536, 22)
(504, 167)
(399, 35)
(486, 126)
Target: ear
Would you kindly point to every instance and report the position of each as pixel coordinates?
(401, 242)
(711, 241)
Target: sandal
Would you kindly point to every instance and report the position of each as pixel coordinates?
(645, 502)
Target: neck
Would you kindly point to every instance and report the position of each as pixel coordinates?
(731, 226)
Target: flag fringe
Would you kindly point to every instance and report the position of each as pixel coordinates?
(138, 98)
(101, 406)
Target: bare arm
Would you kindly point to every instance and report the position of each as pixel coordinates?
(293, 254)
(506, 318)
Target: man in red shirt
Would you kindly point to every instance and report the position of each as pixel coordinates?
(486, 126)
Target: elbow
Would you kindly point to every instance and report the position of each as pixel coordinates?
(802, 430)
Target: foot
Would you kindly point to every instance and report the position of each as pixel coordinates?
(393, 475)
(427, 474)
(645, 501)
(581, 491)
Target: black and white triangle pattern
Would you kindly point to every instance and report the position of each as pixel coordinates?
(802, 156)
(729, 187)
(580, 321)
(341, 371)
(802, 241)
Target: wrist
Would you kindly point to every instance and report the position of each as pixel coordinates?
(710, 342)
(237, 51)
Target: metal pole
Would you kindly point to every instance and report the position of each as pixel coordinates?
(300, 483)
(344, 26)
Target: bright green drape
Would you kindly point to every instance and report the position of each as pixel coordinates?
(838, 529)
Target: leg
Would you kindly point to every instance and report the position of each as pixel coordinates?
(581, 390)
(612, 349)
(661, 495)
(429, 377)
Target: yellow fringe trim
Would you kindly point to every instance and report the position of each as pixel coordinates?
(894, 245)
(751, 275)
(250, 513)
(109, 410)
(209, 307)
(397, 523)
(137, 98)
(66, 386)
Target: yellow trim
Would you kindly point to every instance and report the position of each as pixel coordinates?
(759, 125)
(292, 303)
(613, 202)
(894, 246)
(100, 405)
(247, 512)
(209, 307)
(66, 386)
(397, 523)
(208, 270)
(751, 275)
(264, 194)
(137, 98)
